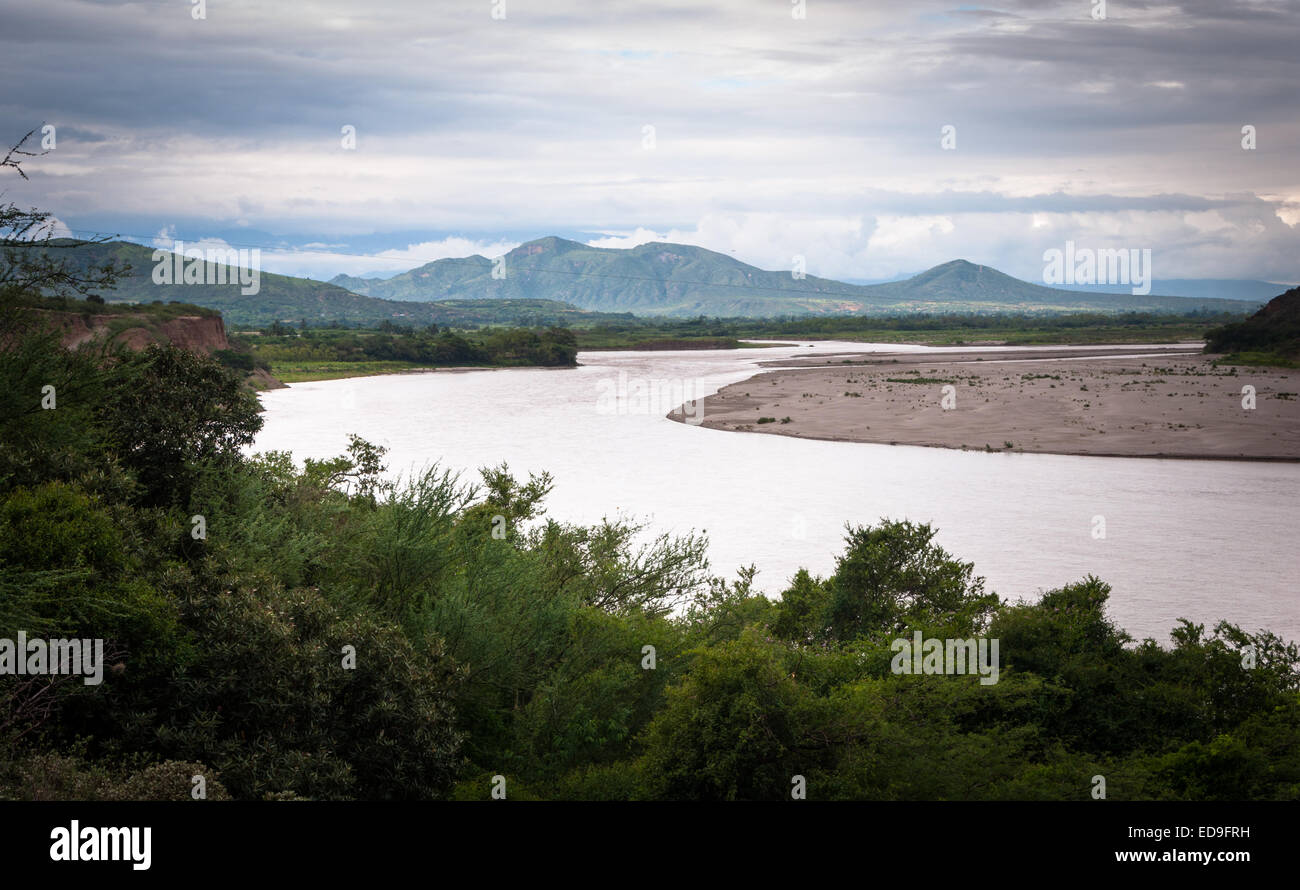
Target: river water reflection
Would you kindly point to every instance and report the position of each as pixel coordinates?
(1198, 539)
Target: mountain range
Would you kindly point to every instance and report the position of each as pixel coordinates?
(678, 279)
(289, 299)
(1250, 289)
(556, 281)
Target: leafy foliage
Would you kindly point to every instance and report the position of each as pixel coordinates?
(1272, 333)
(167, 410)
(336, 634)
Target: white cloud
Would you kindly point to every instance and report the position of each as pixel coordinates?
(322, 263)
(833, 247)
(166, 238)
(53, 227)
(633, 239)
(903, 233)
(773, 137)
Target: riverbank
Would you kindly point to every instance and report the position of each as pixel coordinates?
(1081, 402)
(347, 370)
(1080, 329)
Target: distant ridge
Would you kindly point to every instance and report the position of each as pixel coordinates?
(661, 278)
(285, 298)
(1248, 289)
(558, 281)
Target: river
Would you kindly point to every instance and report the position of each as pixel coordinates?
(1205, 540)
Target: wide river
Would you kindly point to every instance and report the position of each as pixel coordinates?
(1205, 540)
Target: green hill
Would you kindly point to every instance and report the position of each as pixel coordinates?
(553, 281)
(960, 284)
(653, 279)
(1271, 334)
(679, 279)
(289, 299)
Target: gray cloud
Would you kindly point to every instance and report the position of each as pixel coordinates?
(1128, 127)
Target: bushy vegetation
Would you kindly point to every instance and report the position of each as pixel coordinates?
(1269, 337)
(94, 304)
(285, 348)
(319, 632)
(941, 328)
(337, 636)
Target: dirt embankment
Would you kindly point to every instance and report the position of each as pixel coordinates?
(201, 333)
(260, 380)
(136, 330)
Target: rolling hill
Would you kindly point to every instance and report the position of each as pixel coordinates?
(288, 299)
(556, 281)
(1271, 333)
(679, 279)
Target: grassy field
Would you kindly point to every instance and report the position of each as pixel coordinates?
(1259, 360)
(1036, 337)
(597, 339)
(325, 354)
(303, 371)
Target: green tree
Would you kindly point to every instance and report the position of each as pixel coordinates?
(166, 410)
(803, 608)
(271, 700)
(893, 576)
(739, 726)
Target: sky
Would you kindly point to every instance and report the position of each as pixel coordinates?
(370, 138)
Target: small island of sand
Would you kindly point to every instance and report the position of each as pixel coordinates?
(1166, 402)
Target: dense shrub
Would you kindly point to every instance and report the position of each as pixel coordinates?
(333, 635)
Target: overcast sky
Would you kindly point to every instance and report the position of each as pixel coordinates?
(772, 135)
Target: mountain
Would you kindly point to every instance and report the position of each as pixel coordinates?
(679, 279)
(289, 299)
(556, 281)
(960, 285)
(1273, 331)
(652, 279)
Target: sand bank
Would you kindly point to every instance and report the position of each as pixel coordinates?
(1059, 402)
